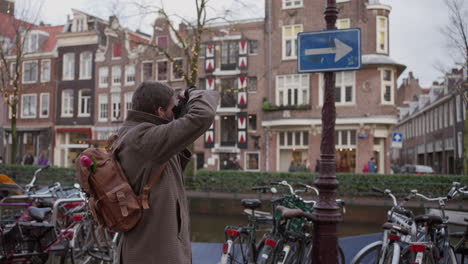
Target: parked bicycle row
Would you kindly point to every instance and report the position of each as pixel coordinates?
(51, 224)
(406, 239)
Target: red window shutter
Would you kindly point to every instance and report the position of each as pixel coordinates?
(162, 42)
(117, 50)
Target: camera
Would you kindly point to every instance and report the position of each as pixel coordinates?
(180, 108)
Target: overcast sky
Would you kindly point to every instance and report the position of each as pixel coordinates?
(415, 26)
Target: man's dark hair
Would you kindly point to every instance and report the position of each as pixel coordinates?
(151, 95)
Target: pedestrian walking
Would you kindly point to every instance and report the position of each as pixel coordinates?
(151, 137)
(371, 165)
(28, 159)
(42, 161)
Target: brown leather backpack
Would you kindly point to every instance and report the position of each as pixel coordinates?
(112, 201)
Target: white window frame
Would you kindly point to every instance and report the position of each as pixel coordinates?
(156, 74)
(383, 85)
(86, 65)
(103, 99)
(451, 113)
(12, 71)
(342, 1)
(293, 4)
(339, 144)
(116, 72)
(23, 116)
(31, 43)
(385, 31)
(446, 112)
(70, 99)
(338, 23)
(45, 78)
(127, 67)
(458, 107)
(68, 66)
(86, 103)
(282, 87)
(172, 69)
(153, 73)
(294, 144)
(103, 72)
(41, 100)
(10, 112)
(246, 161)
(290, 38)
(127, 103)
(343, 89)
(24, 69)
(116, 111)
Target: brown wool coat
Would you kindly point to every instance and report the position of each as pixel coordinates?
(163, 234)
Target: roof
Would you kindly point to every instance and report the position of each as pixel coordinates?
(51, 42)
(377, 59)
(9, 24)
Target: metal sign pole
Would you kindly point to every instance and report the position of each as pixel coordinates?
(326, 211)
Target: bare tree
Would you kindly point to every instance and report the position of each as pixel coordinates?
(456, 33)
(14, 46)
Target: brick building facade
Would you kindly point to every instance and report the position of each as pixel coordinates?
(432, 128)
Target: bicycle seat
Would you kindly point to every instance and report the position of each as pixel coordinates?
(39, 214)
(291, 213)
(398, 228)
(251, 203)
(428, 219)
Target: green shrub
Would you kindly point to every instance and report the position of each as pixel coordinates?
(22, 174)
(349, 184)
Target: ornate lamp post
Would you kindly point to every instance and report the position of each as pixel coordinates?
(326, 211)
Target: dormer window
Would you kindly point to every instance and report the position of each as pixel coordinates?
(31, 43)
(79, 23)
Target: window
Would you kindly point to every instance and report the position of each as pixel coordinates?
(103, 107)
(253, 47)
(84, 101)
(130, 74)
(128, 103)
(252, 84)
(441, 116)
(344, 88)
(294, 139)
(253, 122)
(228, 130)
(292, 4)
(29, 71)
(44, 105)
(457, 108)
(252, 161)
(161, 41)
(229, 53)
(345, 138)
(451, 113)
(45, 71)
(290, 41)
(31, 43)
(67, 103)
(446, 114)
(103, 77)
(202, 52)
(292, 89)
(343, 23)
(147, 71)
(115, 107)
(176, 67)
(13, 71)
(162, 70)
(387, 84)
(85, 65)
(228, 95)
(117, 51)
(80, 24)
(68, 66)
(116, 75)
(10, 108)
(382, 34)
(28, 105)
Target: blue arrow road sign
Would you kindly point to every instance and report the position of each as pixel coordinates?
(397, 140)
(329, 50)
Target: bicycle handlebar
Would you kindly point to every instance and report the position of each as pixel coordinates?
(308, 187)
(375, 189)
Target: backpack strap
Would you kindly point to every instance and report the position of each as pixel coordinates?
(146, 190)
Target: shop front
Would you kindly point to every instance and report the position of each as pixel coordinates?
(69, 143)
(31, 144)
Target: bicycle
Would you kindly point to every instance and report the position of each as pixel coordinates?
(241, 245)
(399, 230)
(435, 246)
(461, 246)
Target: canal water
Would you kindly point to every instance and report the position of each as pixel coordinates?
(209, 216)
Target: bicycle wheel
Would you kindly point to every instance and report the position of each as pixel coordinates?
(242, 250)
(82, 240)
(369, 254)
(308, 255)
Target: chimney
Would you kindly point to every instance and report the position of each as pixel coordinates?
(410, 74)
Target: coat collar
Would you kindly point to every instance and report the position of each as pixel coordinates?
(141, 117)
